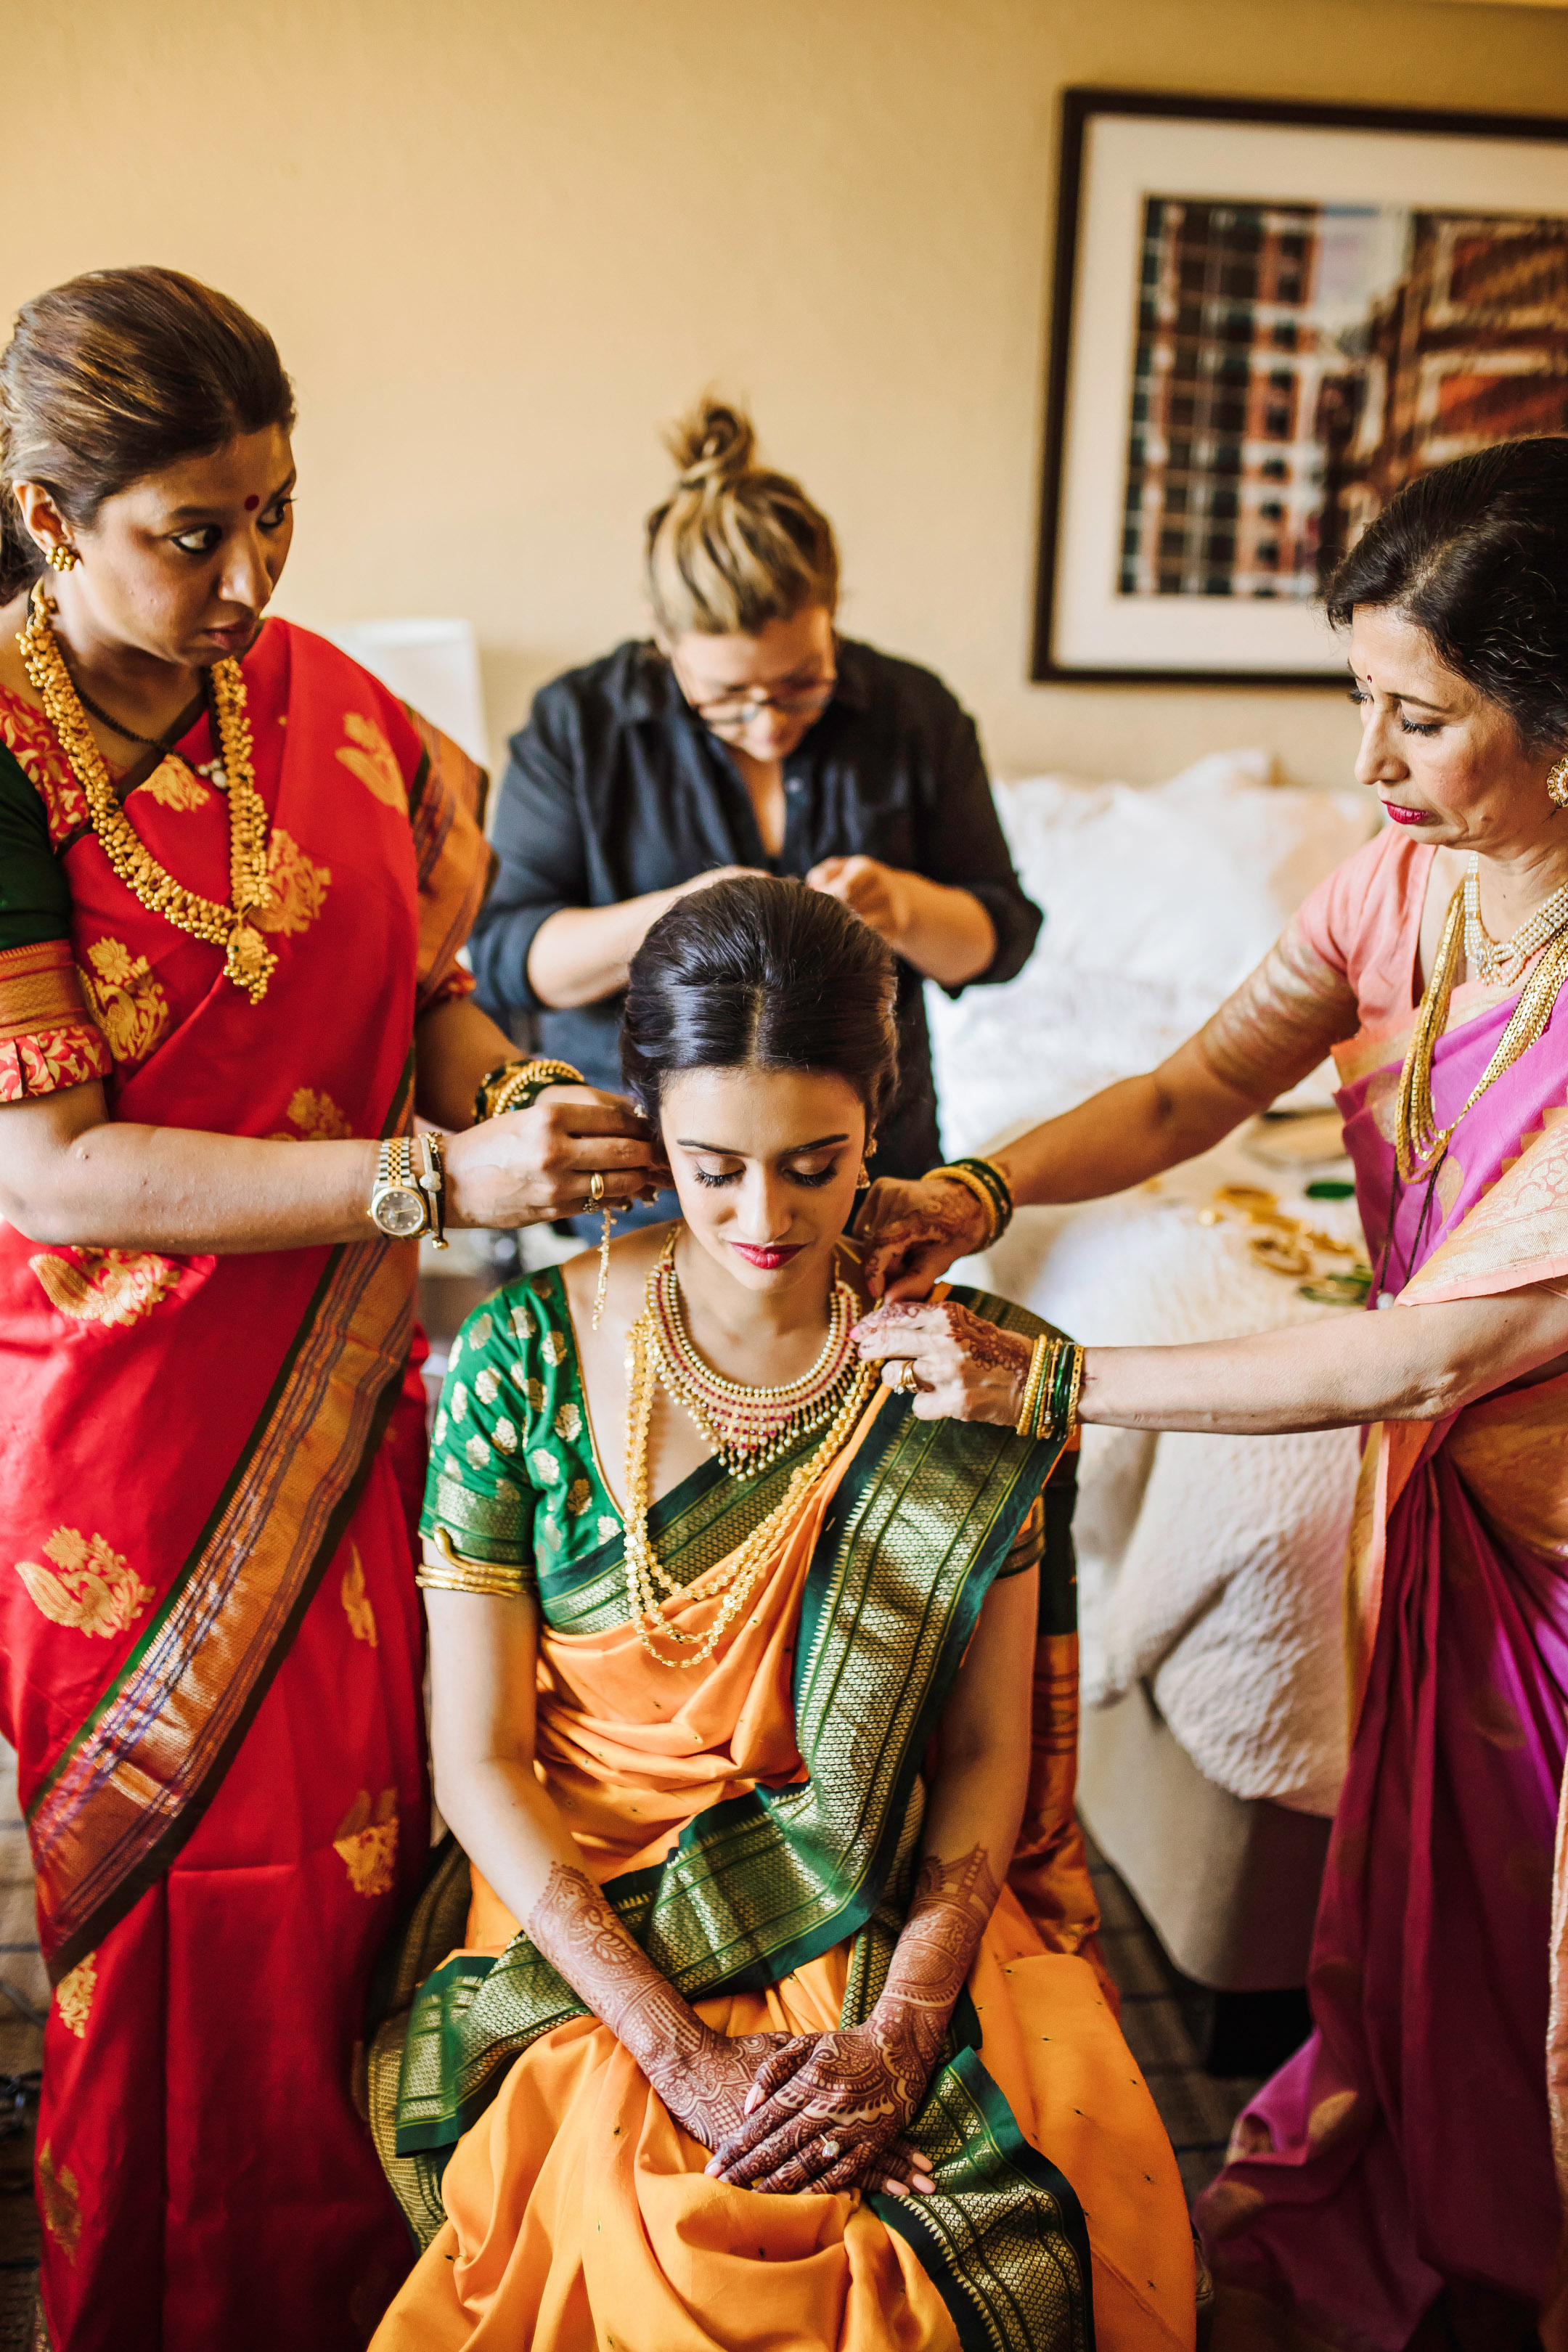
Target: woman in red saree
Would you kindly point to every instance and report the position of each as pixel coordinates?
(1401, 2182)
(212, 1652)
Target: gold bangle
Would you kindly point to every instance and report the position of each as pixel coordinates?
(976, 1190)
(499, 1091)
(1024, 1424)
(1074, 1390)
(1044, 1424)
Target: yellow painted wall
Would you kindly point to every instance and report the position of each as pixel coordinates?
(499, 240)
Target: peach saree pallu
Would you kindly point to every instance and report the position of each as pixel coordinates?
(757, 1827)
(1411, 2141)
(211, 1644)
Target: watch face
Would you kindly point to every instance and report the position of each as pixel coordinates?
(400, 1213)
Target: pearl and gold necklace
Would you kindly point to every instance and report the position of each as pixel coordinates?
(1499, 962)
(746, 1427)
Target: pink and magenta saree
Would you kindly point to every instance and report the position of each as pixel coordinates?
(212, 1642)
(1420, 2138)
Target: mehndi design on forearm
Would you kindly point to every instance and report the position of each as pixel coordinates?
(826, 2123)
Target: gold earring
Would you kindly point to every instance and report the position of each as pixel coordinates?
(63, 556)
(863, 1179)
(1557, 783)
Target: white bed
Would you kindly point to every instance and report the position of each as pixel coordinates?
(1210, 1567)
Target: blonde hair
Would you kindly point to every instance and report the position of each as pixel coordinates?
(734, 546)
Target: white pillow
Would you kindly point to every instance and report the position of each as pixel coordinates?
(1158, 901)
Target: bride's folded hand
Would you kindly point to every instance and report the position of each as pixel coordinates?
(962, 1367)
(828, 2112)
(912, 1233)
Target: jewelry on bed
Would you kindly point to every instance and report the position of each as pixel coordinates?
(1419, 1142)
(986, 1181)
(248, 961)
(1499, 962)
(748, 1427)
(645, 1576)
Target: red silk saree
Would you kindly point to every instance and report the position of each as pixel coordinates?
(1410, 2144)
(212, 1642)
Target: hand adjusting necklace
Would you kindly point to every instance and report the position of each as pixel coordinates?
(747, 1428)
(248, 961)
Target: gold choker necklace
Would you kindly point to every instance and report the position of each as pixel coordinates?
(248, 961)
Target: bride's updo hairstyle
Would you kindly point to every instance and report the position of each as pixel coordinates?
(734, 546)
(763, 975)
(1475, 554)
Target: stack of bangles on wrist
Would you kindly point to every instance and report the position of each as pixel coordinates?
(1049, 1408)
(986, 1181)
(516, 1086)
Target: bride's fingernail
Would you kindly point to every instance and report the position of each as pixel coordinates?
(754, 2098)
(713, 2169)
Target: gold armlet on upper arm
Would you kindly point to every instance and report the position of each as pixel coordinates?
(459, 1574)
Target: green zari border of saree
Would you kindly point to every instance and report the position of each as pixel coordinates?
(761, 1884)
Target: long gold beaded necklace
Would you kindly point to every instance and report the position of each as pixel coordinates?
(645, 1576)
(1420, 1145)
(248, 961)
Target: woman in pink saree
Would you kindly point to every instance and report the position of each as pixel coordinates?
(1401, 2181)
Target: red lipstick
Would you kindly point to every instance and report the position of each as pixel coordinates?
(769, 1256)
(1409, 816)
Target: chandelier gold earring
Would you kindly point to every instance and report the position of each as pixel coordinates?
(1557, 783)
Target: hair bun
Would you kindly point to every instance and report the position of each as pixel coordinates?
(713, 447)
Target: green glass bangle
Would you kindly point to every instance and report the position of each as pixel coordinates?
(997, 1189)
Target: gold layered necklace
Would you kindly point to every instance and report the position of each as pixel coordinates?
(248, 961)
(832, 1392)
(1419, 1142)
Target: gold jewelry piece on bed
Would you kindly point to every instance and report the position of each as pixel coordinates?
(513, 1085)
(1419, 1142)
(248, 961)
(1499, 962)
(460, 1574)
(645, 1578)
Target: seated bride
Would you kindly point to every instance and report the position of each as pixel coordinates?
(764, 2026)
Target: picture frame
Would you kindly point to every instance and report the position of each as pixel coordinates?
(1265, 316)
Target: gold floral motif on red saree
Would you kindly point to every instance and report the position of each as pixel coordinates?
(50, 1060)
(105, 1286)
(368, 755)
(314, 1117)
(60, 2200)
(131, 1009)
(367, 1840)
(73, 1996)
(174, 786)
(1278, 1024)
(358, 1607)
(47, 1036)
(298, 887)
(32, 743)
(96, 1590)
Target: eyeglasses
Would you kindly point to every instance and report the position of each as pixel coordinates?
(738, 708)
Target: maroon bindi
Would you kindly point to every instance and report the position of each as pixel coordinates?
(251, 504)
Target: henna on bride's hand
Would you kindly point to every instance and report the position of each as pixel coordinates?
(702, 2077)
(969, 1369)
(826, 2123)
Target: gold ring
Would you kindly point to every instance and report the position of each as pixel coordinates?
(907, 1384)
(595, 1189)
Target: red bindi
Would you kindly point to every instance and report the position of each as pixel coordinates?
(251, 504)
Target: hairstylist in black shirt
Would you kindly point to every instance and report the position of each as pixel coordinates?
(749, 734)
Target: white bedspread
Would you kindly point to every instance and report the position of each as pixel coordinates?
(1211, 1565)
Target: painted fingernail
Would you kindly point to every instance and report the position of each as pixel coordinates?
(895, 2188)
(713, 2169)
(753, 2097)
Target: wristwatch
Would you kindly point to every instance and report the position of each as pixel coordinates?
(400, 1206)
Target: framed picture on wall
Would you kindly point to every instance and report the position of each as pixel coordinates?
(1267, 318)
